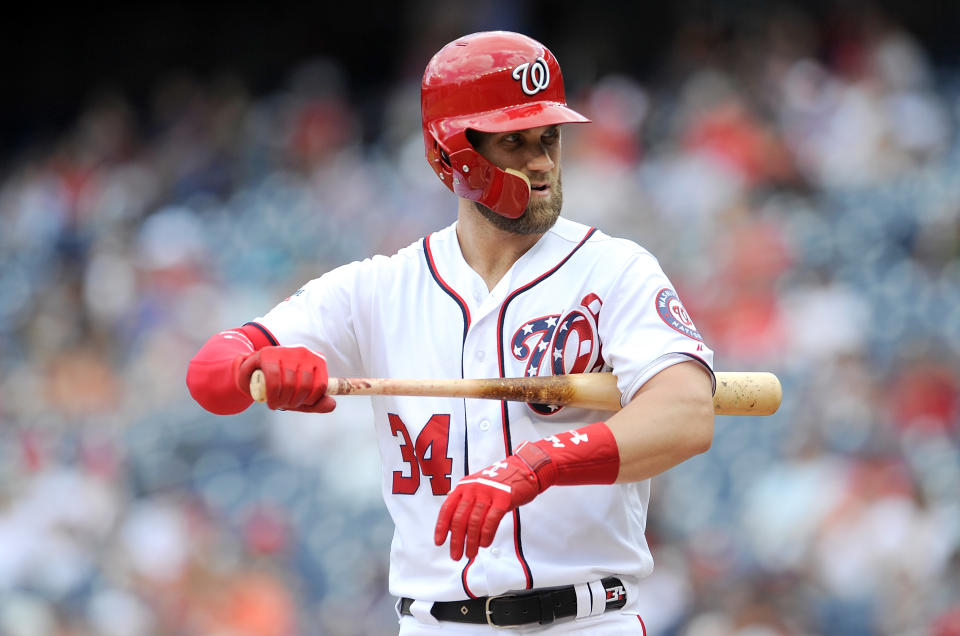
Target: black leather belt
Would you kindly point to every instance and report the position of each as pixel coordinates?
(521, 608)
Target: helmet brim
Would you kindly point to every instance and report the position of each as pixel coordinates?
(519, 117)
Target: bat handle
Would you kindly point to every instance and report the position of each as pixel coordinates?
(258, 386)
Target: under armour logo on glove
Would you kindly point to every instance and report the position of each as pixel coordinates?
(554, 441)
(492, 471)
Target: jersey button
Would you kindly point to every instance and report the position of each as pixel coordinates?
(495, 552)
(484, 425)
(480, 355)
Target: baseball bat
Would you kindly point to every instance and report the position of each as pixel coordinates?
(738, 392)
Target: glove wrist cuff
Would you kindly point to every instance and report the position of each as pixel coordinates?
(587, 455)
(540, 464)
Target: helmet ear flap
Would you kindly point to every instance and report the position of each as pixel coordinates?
(505, 191)
(469, 175)
(514, 195)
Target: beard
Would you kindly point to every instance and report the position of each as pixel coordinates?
(539, 216)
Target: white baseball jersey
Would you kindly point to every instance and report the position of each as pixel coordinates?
(578, 301)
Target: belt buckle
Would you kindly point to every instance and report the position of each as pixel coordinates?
(487, 612)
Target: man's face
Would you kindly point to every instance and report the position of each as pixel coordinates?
(536, 153)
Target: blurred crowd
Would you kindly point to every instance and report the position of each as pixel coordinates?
(799, 185)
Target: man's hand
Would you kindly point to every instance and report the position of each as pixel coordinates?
(473, 510)
(295, 378)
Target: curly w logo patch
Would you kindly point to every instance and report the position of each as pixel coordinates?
(558, 344)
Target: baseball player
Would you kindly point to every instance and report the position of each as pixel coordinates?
(506, 514)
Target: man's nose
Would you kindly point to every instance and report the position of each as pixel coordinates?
(540, 161)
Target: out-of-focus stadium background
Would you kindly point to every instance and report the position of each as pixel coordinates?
(167, 172)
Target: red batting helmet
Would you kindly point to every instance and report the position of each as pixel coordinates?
(494, 81)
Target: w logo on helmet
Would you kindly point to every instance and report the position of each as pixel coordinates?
(533, 77)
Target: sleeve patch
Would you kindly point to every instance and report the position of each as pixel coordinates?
(672, 312)
(296, 293)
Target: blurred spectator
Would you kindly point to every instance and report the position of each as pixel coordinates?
(925, 396)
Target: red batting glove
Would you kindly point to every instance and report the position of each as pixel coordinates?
(472, 512)
(295, 378)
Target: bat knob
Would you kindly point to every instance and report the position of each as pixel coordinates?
(258, 386)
